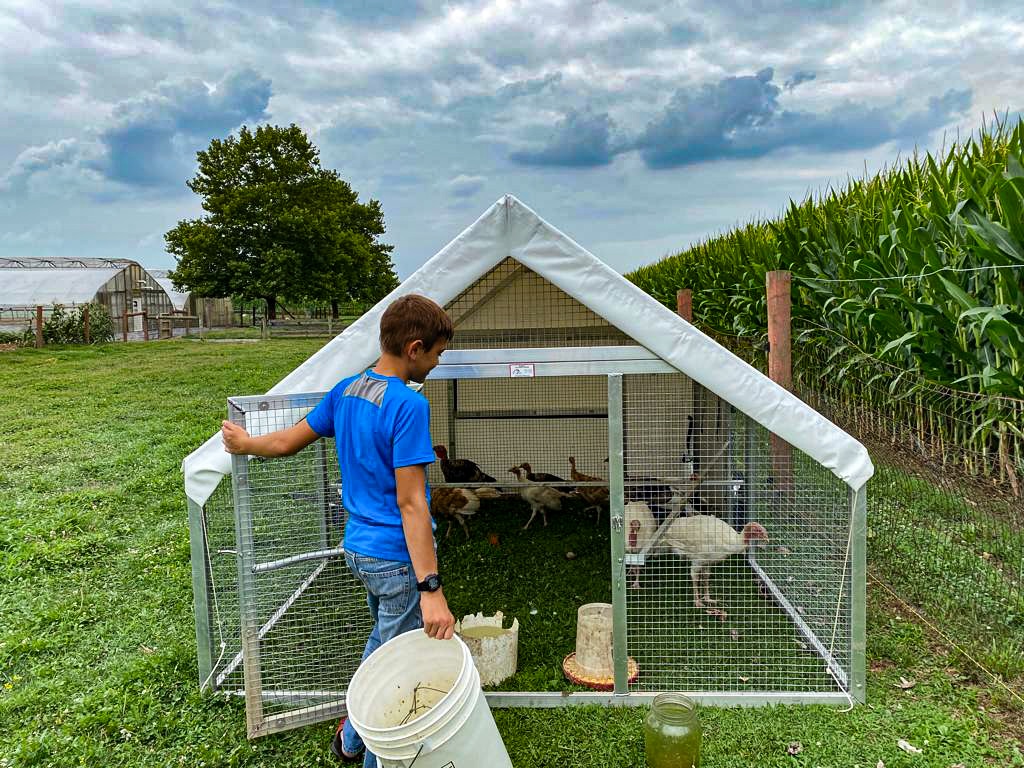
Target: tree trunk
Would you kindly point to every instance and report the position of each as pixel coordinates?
(271, 307)
(334, 309)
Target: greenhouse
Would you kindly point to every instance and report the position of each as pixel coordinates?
(732, 550)
(122, 286)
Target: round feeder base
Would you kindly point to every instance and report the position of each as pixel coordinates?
(576, 675)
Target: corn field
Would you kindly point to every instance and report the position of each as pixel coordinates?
(919, 270)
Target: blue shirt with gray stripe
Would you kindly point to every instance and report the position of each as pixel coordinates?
(378, 425)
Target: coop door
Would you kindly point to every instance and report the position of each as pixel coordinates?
(303, 615)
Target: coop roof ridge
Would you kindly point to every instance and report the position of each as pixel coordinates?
(511, 229)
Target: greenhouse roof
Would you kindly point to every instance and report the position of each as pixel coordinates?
(509, 229)
(178, 299)
(28, 287)
(62, 262)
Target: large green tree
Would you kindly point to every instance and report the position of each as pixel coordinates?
(278, 225)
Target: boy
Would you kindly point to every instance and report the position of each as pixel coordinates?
(381, 431)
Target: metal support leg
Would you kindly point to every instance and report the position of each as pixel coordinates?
(620, 650)
(858, 593)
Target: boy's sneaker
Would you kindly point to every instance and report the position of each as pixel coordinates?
(338, 748)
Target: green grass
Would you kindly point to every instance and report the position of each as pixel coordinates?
(528, 576)
(97, 648)
(967, 563)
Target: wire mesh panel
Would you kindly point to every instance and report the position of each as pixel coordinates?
(513, 306)
(215, 591)
(500, 424)
(303, 615)
(740, 576)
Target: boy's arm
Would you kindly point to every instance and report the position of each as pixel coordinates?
(283, 442)
(410, 488)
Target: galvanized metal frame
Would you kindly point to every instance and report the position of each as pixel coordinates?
(246, 586)
(858, 587)
(616, 521)
(495, 363)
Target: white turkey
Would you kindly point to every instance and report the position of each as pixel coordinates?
(705, 540)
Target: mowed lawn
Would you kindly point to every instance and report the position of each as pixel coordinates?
(97, 648)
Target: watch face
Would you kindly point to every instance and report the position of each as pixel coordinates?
(430, 584)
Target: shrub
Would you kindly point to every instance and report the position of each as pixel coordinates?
(65, 326)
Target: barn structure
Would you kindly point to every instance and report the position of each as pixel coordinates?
(554, 355)
(120, 285)
(211, 312)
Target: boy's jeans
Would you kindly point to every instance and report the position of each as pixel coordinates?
(394, 604)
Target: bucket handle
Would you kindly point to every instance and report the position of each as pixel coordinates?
(417, 755)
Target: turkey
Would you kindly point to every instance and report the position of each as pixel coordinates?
(541, 498)
(705, 540)
(640, 529)
(460, 470)
(596, 496)
(457, 504)
(544, 477)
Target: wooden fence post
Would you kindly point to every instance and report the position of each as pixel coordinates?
(124, 324)
(703, 407)
(145, 325)
(778, 286)
(39, 327)
(684, 304)
(85, 323)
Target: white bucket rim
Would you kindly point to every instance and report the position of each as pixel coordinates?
(419, 730)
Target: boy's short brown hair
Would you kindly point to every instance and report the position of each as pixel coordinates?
(413, 317)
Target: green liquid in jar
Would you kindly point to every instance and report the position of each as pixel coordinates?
(672, 733)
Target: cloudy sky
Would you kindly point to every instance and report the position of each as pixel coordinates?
(636, 127)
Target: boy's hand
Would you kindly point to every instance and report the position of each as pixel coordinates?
(234, 437)
(438, 621)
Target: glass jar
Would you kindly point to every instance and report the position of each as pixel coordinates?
(672, 732)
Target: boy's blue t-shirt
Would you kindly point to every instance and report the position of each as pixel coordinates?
(378, 425)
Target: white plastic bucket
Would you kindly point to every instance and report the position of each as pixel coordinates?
(452, 726)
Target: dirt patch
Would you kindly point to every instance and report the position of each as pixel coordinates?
(1006, 711)
(8, 347)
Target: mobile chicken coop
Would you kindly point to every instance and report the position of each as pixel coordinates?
(555, 355)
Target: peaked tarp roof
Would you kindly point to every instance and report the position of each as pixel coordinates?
(510, 229)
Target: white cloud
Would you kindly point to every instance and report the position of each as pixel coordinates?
(464, 185)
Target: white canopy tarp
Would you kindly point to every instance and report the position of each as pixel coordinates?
(29, 287)
(510, 229)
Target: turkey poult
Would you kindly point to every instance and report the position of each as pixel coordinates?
(596, 496)
(460, 470)
(703, 540)
(544, 477)
(541, 498)
(458, 504)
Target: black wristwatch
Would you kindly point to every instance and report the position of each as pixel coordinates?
(430, 584)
